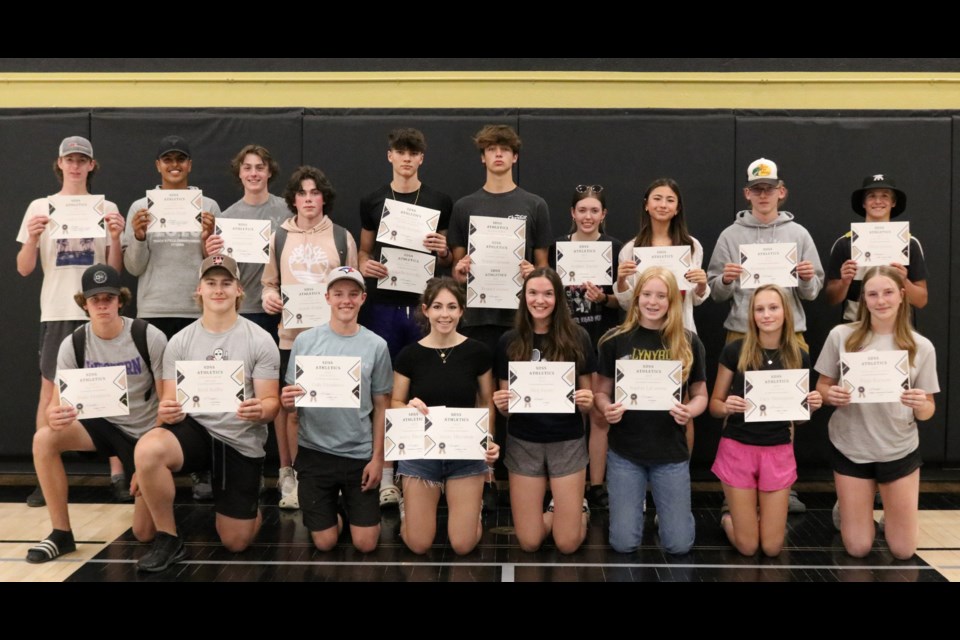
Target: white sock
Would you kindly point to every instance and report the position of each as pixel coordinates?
(386, 480)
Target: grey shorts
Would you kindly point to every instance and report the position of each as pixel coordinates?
(52, 335)
(545, 459)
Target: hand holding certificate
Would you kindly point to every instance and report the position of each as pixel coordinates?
(879, 243)
(768, 264)
(648, 385)
(777, 396)
(406, 225)
(542, 387)
(245, 240)
(581, 262)
(875, 376)
(443, 434)
(304, 305)
(407, 270)
(175, 210)
(210, 386)
(94, 393)
(76, 217)
(496, 247)
(328, 382)
(677, 259)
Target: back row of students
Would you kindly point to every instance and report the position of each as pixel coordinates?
(318, 246)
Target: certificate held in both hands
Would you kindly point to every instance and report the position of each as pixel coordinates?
(175, 210)
(776, 396)
(768, 264)
(210, 386)
(581, 262)
(406, 225)
(76, 217)
(878, 243)
(328, 382)
(875, 376)
(648, 385)
(245, 240)
(304, 305)
(95, 393)
(542, 387)
(496, 247)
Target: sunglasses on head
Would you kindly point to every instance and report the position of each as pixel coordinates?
(589, 188)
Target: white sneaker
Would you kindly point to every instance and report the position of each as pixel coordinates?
(836, 515)
(288, 485)
(389, 496)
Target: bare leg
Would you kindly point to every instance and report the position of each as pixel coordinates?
(419, 526)
(741, 526)
(157, 456)
(569, 524)
(48, 446)
(856, 513)
(526, 504)
(901, 515)
(773, 520)
(464, 528)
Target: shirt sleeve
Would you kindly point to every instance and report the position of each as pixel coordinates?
(382, 379)
(828, 364)
(839, 253)
(917, 269)
(267, 364)
(66, 358)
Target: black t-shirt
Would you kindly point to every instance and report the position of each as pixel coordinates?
(371, 210)
(761, 434)
(453, 384)
(544, 427)
(840, 253)
(596, 318)
(649, 437)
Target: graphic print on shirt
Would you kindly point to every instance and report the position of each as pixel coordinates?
(73, 252)
(650, 354)
(309, 264)
(218, 354)
(134, 367)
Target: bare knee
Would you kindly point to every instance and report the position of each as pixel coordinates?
(748, 549)
(567, 547)
(325, 540)
(365, 539)
(859, 547)
(235, 542)
(45, 443)
(902, 551)
(463, 545)
(417, 544)
(772, 549)
(151, 450)
(529, 545)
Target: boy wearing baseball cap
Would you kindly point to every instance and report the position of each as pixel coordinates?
(341, 450)
(107, 340)
(232, 443)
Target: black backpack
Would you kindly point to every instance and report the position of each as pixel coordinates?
(139, 333)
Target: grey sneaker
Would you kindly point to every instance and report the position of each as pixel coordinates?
(202, 486)
(167, 550)
(288, 486)
(836, 515)
(794, 505)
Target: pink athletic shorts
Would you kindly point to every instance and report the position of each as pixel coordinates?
(747, 466)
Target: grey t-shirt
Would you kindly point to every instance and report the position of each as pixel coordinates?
(261, 361)
(122, 352)
(343, 432)
(275, 209)
(880, 432)
(166, 264)
(517, 204)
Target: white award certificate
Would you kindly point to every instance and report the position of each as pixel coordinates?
(875, 376)
(406, 270)
(245, 240)
(455, 434)
(582, 262)
(648, 385)
(403, 434)
(304, 305)
(496, 248)
(542, 387)
(406, 225)
(768, 264)
(76, 217)
(776, 396)
(677, 259)
(329, 382)
(94, 393)
(175, 210)
(210, 386)
(879, 243)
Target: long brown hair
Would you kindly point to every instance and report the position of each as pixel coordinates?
(434, 287)
(751, 355)
(562, 342)
(672, 333)
(903, 332)
(679, 235)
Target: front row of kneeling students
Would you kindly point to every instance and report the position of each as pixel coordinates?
(341, 451)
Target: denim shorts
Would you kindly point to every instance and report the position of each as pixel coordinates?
(439, 471)
(746, 466)
(545, 459)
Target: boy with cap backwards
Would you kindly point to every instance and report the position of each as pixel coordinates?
(109, 340)
(763, 223)
(231, 442)
(164, 262)
(878, 200)
(63, 262)
(341, 450)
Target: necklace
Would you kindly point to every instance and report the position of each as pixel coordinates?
(768, 354)
(445, 352)
(415, 200)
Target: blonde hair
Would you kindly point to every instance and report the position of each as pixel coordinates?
(672, 333)
(751, 355)
(902, 333)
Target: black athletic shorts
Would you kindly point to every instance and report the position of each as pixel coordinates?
(322, 477)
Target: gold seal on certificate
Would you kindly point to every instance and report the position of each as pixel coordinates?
(175, 210)
(776, 396)
(496, 248)
(875, 376)
(768, 264)
(210, 386)
(406, 225)
(879, 243)
(648, 385)
(245, 240)
(94, 393)
(76, 217)
(581, 262)
(445, 433)
(407, 270)
(542, 387)
(675, 259)
(328, 382)
(304, 305)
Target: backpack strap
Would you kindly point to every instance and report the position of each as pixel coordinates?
(80, 345)
(139, 334)
(340, 240)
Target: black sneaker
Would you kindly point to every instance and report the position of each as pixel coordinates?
(36, 499)
(598, 497)
(121, 488)
(166, 550)
(51, 547)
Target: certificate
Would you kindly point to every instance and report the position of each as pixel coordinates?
(878, 243)
(542, 387)
(456, 434)
(776, 396)
(304, 305)
(875, 376)
(175, 210)
(406, 225)
(76, 217)
(209, 386)
(677, 259)
(496, 248)
(582, 262)
(329, 382)
(94, 393)
(406, 270)
(245, 240)
(403, 435)
(768, 264)
(648, 385)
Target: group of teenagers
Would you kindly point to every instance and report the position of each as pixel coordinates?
(429, 350)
